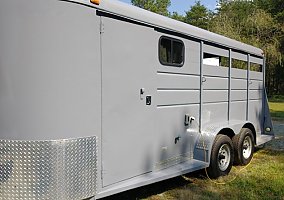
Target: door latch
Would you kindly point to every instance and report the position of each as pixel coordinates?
(188, 119)
(142, 92)
(148, 100)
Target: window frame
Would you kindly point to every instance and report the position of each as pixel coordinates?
(172, 40)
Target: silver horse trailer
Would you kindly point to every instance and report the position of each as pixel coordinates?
(101, 97)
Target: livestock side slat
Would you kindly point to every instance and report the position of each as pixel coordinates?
(238, 84)
(256, 60)
(215, 71)
(177, 97)
(177, 81)
(239, 56)
(238, 95)
(256, 75)
(255, 94)
(215, 50)
(216, 83)
(256, 85)
(215, 96)
(239, 73)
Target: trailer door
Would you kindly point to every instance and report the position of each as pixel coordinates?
(129, 53)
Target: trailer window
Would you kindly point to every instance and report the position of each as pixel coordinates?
(171, 51)
(215, 60)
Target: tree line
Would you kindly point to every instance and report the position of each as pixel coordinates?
(256, 22)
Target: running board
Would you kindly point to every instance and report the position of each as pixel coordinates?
(152, 177)
(261, 139)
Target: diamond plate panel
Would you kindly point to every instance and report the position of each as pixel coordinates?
(62, 169)
(174, 160)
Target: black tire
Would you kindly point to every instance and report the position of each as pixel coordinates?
(243, 146)
(220, 163)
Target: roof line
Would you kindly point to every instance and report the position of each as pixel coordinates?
(117, 8)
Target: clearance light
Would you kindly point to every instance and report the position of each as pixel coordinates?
(97, 2)
(267, 129)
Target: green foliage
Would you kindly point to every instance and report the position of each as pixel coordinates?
(256, 23)
(277, 98)
(157, 6)
(198, 15)
(274, 7)
(177, 16)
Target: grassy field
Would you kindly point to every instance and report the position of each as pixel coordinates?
(263, 179)
(276, 98)
(276, 105)
(277, 109)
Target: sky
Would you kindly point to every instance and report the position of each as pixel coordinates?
(181, 6)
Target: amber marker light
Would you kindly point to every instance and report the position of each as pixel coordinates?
(97, 2)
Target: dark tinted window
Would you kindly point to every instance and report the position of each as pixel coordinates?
(171, 52)
(165, 50)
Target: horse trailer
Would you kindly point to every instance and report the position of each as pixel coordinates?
(99, 97)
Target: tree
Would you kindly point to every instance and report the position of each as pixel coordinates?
(157, 6)
(177, 16)
(274, 7)
(250, 23)
(198, 15)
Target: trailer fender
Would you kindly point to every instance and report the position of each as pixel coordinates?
(202, 150)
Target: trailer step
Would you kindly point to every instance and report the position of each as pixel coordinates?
(156, 176)
(263, 139)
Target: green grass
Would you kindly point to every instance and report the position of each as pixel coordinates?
(276, 98)
(277, 109)
(262, 179)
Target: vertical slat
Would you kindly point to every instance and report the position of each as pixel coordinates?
(230, 83)
(201, 86)
(248, 83)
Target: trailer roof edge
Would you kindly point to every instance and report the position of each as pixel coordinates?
(137, 14)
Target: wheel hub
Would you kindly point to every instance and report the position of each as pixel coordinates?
(247, 147)
(224, 157)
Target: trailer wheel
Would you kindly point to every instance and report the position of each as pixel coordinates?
(244, 146)
(222, 157)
